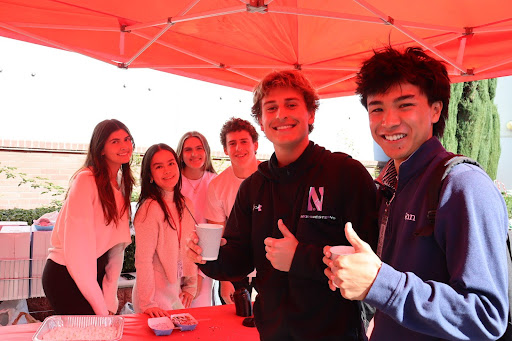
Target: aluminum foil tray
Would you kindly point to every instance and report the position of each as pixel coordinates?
(81, 323)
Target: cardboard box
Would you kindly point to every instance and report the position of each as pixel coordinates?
(41, 242)
(13, 223)
(14, 255)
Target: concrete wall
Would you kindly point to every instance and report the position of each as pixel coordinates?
(55, 163)
(52, 162)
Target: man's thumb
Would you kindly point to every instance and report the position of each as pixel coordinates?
(354, 240)
(284, 230)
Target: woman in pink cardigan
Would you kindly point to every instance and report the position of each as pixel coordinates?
(166, 278)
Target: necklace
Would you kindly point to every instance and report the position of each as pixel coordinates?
(192, 185)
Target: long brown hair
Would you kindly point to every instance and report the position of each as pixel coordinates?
(150, 190)
(95, 161)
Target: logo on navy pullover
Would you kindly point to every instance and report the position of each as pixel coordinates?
(410, 217)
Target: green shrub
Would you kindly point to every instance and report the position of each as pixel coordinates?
(508, 201)
(28, 215)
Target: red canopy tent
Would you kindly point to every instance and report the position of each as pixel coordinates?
(236, 42)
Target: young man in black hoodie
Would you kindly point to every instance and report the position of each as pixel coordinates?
(286, 212)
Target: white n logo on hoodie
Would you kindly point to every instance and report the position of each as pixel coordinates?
(315, 199)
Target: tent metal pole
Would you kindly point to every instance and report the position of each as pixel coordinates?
(243, 74)
(65, 27)
(55, 44)
(339, 80)
(492, 30)
(190, 17)
(194, 55)
(355, 17)
(148, 44)
(389, 20)
(176, 48)
(494, 65)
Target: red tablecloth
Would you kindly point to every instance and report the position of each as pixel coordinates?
(214, 323)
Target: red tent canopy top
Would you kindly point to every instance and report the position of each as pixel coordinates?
(236, 42)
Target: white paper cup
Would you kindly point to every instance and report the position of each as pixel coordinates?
(341, 250)
(209, 240)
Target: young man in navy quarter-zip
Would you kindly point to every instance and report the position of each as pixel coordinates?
(286, 212)
(447, 281)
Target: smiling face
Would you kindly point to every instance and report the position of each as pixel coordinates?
(118, 149)
(285, 119)
(240, 148)
(193, 153)
(164, 170)
(401, 120)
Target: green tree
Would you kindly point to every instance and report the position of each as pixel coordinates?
(473, 127)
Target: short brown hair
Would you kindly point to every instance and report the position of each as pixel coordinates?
(237, 124)
(284, 79)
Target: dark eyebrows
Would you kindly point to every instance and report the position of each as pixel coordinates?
(403, 98)
(268, 102)
(242, 139)
(161, 163)
(375, 103)
(398, 99)
(121, 138)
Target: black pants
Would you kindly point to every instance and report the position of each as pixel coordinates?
(62, 292)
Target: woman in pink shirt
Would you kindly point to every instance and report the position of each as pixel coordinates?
(92, 230)
(197, 170)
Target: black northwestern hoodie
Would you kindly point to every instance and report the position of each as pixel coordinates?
(315, 196)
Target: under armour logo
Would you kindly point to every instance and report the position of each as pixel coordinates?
(410, 217)
(256, 208)
(315, 199)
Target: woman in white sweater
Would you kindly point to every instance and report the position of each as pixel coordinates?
(194, 157)
(166, 278)
(92, 230)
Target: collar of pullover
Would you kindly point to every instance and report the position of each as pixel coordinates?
(306, 160)
(417, 162)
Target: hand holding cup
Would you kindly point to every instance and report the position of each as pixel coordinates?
(204, 244)
(353, 273)
(194, 251)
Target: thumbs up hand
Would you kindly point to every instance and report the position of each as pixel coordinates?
(354, 274)
(280, 252)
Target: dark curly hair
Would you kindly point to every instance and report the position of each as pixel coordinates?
(390, 67)
(284, 79)
(237, 124)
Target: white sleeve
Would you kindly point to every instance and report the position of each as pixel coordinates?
(214, 207)
(146, 238)
(79, 241)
